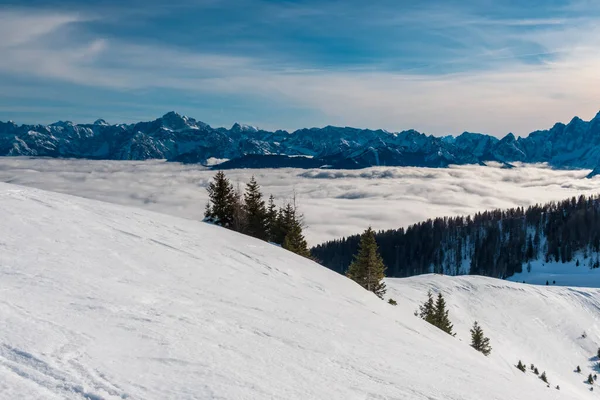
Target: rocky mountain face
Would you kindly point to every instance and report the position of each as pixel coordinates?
(178, 138)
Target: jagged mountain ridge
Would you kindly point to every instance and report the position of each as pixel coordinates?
(178, 138)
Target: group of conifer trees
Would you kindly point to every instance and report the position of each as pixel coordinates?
(495, 243)
(436, 313)
(248, 213)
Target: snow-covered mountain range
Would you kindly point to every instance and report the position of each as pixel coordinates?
(101, 301)
(178, 138)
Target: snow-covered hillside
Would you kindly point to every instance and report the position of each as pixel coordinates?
(540, 325)
(101, 301)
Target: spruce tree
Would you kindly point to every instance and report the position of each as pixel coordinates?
(544, 377)
(368, 269)
(478, 341)
(221, 207)
(427, 309)
(271, 219)
(286, 219)
(578, 369)
(256, 212)
(521, 366)
(294, 241)
(590, 379)
(440, 316)
(240, 221)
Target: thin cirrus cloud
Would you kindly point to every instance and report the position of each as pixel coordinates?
(438, 67)
(335, 203)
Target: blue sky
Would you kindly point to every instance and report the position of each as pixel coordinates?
(437, 66)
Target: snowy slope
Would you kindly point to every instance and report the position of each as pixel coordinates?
(101, 301)
(540, 325)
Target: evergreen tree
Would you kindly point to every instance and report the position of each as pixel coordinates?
(286, 219)
(271, 220)
(535, 371)
(294, 241)
(440, 316)
(427, 309)
(478, 341)
(544, 377)
(578, 369)
(240, 221)
(598, 352)
(256, 212)
(521, 366)
(220, 209)
(368, 269)
(590, 379)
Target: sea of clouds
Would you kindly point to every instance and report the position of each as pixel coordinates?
(335, 203)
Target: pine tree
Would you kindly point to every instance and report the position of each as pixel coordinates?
(271, 219)
(544, 377)
(578, 370)
(478, 341)
(240, 221)
(590, 379)
(440, 316)
(256, 213)
(598, 352)
(535, 371)
(427, 309)
(368, 269)
(294, 241)
(220, 209)
(286, 219)
(521, 366)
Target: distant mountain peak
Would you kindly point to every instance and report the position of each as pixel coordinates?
(237, 127)
(175, 137)
(176, 121)
(62, 123)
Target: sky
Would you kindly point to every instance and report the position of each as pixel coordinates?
(438, 66)
(335, 203)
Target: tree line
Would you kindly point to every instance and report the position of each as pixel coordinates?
(248, 213)
(496, 243)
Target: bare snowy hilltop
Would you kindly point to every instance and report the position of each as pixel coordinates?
(178, 138)
(102, 301)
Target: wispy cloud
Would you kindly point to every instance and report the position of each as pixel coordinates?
(433, 67)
